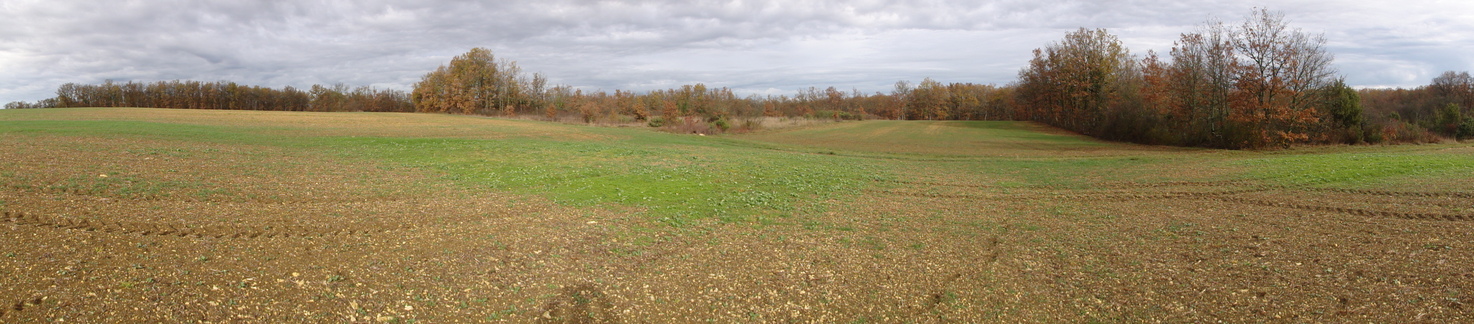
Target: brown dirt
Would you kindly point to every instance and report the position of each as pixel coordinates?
(1177, 252)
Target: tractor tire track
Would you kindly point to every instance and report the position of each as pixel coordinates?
(1115, 185)
(75, 191)
(151, 229)
(1227, 196)
(188, 198)
(1410, 194)
(1099, 196)
(1352, 211)
(939, 295)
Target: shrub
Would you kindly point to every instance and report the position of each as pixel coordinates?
(1466, 129)
(1449, 121)
(1404, 132)
(721, 124)
(835, 115)
(1373, 135)
(749, 125)
(691, 125)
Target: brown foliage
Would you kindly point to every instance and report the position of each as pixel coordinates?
(476, 83)
(1445, 106)
(227, 95)
(1260, 84)
(1077, 83)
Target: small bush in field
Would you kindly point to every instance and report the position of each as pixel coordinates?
(721, 124)
(692, 125)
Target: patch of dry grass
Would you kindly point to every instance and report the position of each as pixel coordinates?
(324, 124)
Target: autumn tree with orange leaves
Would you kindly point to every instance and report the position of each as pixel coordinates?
(1259, 84)
(1080, 83)
(1280, 72)
(477, 83)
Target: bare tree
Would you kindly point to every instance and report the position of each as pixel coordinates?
(1454, 87)
(902, 92)
(1282, 68)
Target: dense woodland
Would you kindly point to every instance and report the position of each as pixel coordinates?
(1259, 83)
(1444, 108)
(222, 95)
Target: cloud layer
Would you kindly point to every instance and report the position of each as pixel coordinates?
(756, 47)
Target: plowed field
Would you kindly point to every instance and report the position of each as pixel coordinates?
(150, 215)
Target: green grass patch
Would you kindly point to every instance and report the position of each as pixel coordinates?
(1359, 168)
(682, 178)
(143, 130)
(671, 177)
(930, 138)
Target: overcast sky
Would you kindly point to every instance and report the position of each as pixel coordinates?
(754, 47)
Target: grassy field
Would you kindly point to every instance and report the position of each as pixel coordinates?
(185, 215)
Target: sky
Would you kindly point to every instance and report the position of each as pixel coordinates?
(752, 47)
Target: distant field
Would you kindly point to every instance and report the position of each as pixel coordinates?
(159, 215)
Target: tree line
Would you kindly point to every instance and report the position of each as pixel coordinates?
(1256, 84)
(1444, 107)
(478, 83)
(222, 95)
(1259, 83)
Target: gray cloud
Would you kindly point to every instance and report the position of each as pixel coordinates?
(761, 47)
